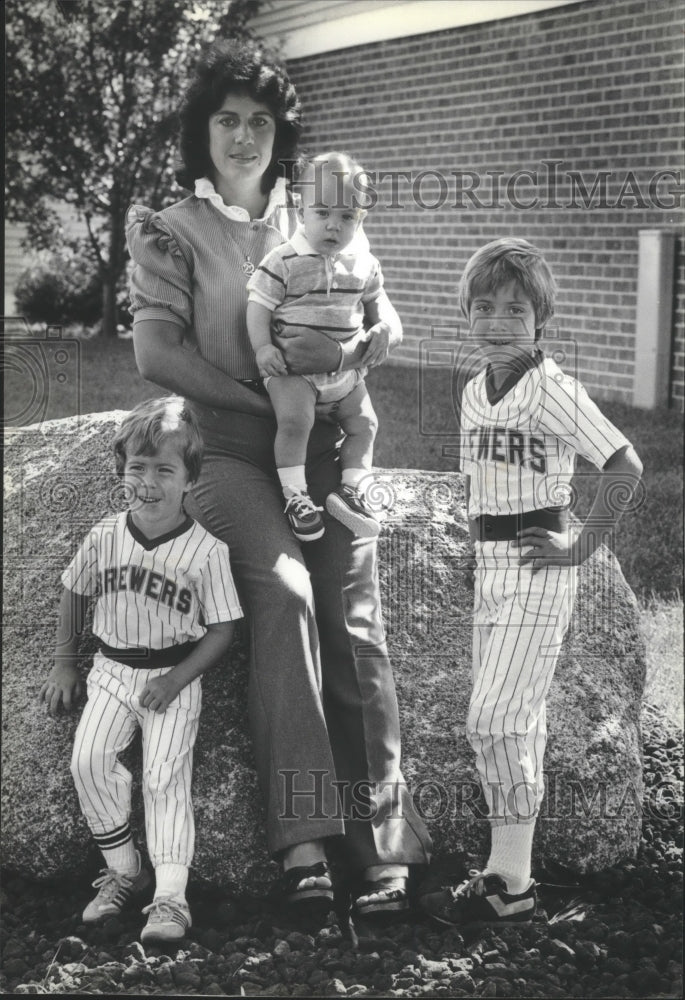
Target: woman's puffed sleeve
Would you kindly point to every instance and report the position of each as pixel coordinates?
(160, 285)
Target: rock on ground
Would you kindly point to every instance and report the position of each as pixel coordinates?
(59, 480)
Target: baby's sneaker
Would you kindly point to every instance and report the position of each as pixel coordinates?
(114, 892)
(304, 517)
(168, 919)
(348, 505)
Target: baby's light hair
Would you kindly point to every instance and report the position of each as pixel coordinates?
(510, 259)
(335, 163)
(151, 423)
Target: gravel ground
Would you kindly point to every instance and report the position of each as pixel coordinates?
(616, 934)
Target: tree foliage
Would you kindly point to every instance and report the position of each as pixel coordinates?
(93, 89)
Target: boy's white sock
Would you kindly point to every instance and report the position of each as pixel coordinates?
(510, 854)
(353, 477)
(292, 480)
(119, 851)
(171, 880)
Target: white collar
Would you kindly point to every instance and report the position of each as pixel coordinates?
(277, 199)
(303, 247)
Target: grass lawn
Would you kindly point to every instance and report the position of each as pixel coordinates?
(418, 431)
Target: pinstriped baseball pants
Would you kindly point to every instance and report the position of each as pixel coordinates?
(520, 620)
(111, 716)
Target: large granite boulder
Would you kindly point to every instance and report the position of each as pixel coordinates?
(59, 480)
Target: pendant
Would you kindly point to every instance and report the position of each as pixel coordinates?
(248, 267)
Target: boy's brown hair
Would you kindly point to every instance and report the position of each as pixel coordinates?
(144, 430)
(510, 259)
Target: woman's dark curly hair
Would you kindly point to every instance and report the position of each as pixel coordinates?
(240, 66)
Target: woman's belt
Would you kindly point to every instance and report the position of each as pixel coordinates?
(505, 527)
(256, 384)
(148, 659)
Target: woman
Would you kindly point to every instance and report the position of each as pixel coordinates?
(322, 705)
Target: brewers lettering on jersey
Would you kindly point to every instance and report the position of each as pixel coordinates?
(152, 595)
(519, 445)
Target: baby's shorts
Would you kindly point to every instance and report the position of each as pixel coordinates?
(331, 388)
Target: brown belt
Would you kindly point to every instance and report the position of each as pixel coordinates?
(505, 528)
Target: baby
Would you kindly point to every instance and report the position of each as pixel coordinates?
(324, 278)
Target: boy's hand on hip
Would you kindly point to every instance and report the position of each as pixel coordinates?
(158, 693)
(545, 548)
(63, 687)
(379, 344)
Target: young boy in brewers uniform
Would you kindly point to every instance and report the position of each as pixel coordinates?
(324, 278)
(522, 423)
(164, 610)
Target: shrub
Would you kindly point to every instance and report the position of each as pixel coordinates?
(61, 288)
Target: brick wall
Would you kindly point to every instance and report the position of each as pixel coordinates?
(598, 87)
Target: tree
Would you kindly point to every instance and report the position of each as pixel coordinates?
(93, 89)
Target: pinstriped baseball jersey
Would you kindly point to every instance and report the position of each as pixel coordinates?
(306, 288)
(153, 594)
(518, 445)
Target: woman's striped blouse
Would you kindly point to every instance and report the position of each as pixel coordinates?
(188, 269)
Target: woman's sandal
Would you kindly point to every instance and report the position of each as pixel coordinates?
(382, 898)
(295, 892)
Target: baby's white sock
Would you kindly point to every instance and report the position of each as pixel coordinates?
(292, 479)
(353, 477)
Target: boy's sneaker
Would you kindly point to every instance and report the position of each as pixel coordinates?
(304, 517)
(348, 505)
(168, 920)
(481, 899)
(115, 891)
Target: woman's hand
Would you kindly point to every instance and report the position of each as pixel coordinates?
(307, 351)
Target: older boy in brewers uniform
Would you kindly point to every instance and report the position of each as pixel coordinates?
(164, 610)
(522, 423)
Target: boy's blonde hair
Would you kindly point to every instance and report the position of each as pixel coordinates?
(510, 259)
(154, 421)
